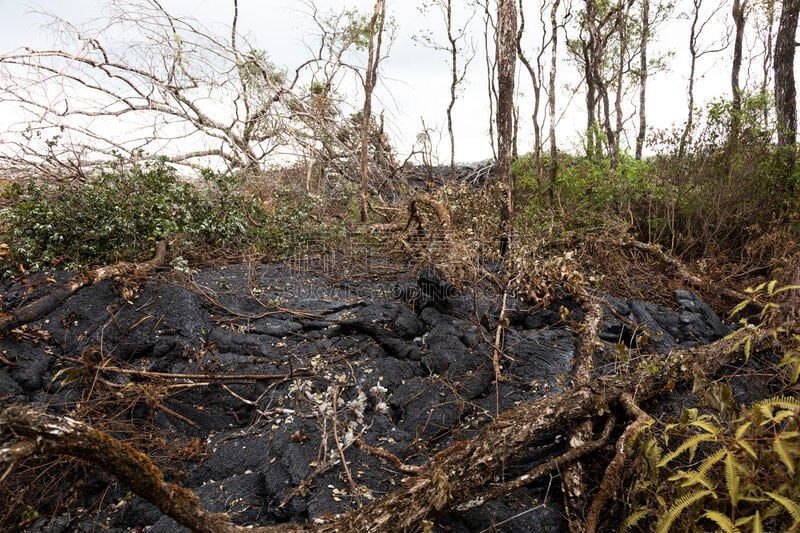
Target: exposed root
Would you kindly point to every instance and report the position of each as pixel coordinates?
(535, 473)
(41, 433)
(389, 456)
(44, 305)
(572, 477)
(612, 479)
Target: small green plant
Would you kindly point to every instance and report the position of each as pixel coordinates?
(28, 515)
(764, 296)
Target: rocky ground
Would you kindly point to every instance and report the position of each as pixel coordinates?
(279, 371)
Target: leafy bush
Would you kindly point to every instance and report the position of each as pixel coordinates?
(712, 196)
(120, 213)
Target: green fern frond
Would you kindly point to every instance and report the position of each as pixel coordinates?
(634, 518)
(666, 520)
(791, 357)
(722, 521)
(746, 446)
(690, 445)
(758, 526)
(711, 460)
(783, 402)
(707, 425)
(785, 288)
(771, 287)
(779, 446)
(652, 454)
(739, 307)
(742, 429)
(732, 477)
(790, 505)
(692, 477)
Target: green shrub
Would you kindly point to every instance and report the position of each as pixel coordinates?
(120, 213)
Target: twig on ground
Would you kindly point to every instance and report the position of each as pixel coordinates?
(498, 340)
(535, 473)
(353, 487)
(656, 251)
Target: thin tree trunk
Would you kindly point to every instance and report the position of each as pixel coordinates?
(506, 66)
(490, 70)
(591, 96)
(552, 102)
(692, 69)
(739, 19)
(767, 64)
(643, 78)
(622, 30)
(453, 86)
(537, 92)
(370, 79)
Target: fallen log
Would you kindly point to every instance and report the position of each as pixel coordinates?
(45, 304)
(445, 482)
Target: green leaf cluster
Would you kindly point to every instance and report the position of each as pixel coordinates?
(120, 213)
(701, 473)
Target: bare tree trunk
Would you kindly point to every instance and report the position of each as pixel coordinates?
(767, 64)
(506, 65)
(552, 102)
(453, 85)
(591, 88)
(645, 36)
(693, 52)
(739, 19)
(370, 79)
(490, 71)
(611, 137)
(622, 30)
(536, 80)
(785, 90)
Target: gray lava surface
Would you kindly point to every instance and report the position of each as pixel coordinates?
(402, 362)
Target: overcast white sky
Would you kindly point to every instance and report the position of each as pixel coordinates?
(415, 79)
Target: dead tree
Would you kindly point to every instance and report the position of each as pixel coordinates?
(739, 13)
(551, 102)
(95, 99)
(490, 28)
(458, 45)
(536, 75)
